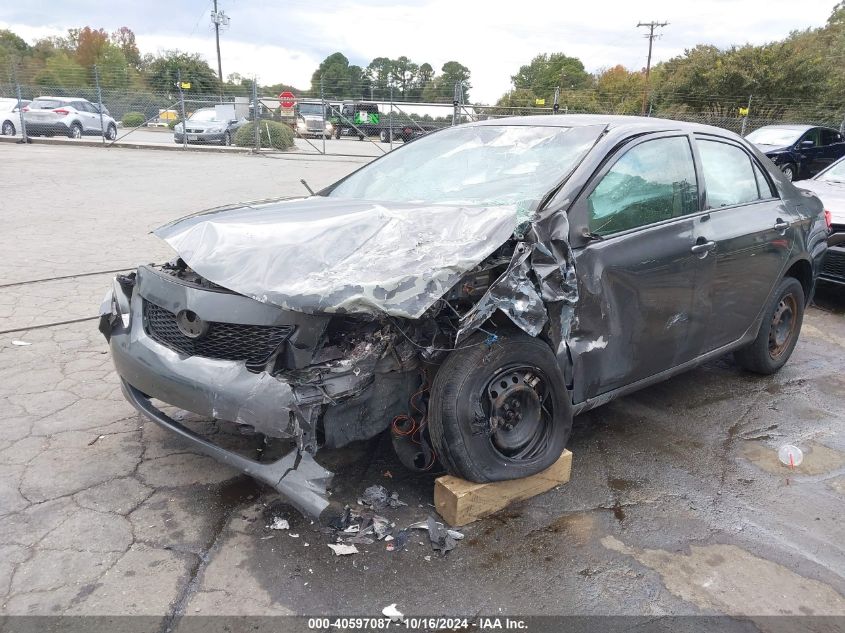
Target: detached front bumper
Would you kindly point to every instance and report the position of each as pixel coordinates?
(222, 389)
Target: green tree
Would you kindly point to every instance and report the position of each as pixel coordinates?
(549, 71)
(162, 71)
(619, 90)
(340, 79)
(61, 71)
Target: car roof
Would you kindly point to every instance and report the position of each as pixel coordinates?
(787, 126)
(611, 121)
(46, 97)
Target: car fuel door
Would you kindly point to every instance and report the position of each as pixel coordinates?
(633, 231)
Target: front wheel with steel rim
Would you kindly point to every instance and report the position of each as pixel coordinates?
(111, 133)
(8, 129)
(779, 330)
(499, 411)
(227, 139)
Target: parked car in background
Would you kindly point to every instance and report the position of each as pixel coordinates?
(68, 116)
(10, 118)
(800, 151)
(829, 186)
(469, 293)
(207, 126)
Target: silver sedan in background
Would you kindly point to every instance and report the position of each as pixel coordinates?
(205, 126)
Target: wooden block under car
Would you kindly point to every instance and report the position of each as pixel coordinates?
(460, 502)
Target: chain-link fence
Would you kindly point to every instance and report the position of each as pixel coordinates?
(340, 117)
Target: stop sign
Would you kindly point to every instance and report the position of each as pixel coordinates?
(287, 100)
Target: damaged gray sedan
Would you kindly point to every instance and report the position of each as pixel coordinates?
(470, 292)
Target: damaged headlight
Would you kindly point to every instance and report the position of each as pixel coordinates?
(114, 307)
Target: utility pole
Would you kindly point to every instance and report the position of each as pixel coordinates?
(651, 26)
(219, 19)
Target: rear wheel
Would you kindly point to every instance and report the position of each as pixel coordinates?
(499, 411)
(384, 136)
(779, 331)
(790, 171)
(75, 131)
(8, 128)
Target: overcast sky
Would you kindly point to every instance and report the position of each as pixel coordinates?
(284, 41)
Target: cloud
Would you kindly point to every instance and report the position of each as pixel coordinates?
(285, 42)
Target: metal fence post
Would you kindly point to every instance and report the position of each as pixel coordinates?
(745, 118)
(455, 112)
(390, 120)
(182, 109)
(556, 105)
(24, 137)
(256, 114)
(323, 113)
(99, 102)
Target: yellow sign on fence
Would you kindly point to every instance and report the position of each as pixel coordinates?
(185, 85)
(539, 102)
(743, 112)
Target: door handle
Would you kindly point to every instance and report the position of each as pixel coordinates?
(781, 225)
(702, 248)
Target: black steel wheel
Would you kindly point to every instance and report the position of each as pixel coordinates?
(779, 330)
(499, 411)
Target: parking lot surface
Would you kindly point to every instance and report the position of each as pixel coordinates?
(677, 503)
(159, 137)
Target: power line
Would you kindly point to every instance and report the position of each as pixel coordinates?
(651, 26)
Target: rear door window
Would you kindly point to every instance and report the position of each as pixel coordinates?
(651, 182)
(728, 174)
(829, 137)
(764, 187)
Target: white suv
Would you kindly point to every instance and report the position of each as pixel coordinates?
(68, 116)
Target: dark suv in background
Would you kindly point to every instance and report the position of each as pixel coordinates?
(801, 151)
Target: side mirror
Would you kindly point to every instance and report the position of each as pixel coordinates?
(806, 143)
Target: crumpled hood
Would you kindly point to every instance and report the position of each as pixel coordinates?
(332, 255)
(772, 149)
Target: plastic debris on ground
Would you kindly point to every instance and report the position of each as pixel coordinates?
(377, 497)
(279, 524)
(442, 538)
(342, 549)
(20, 343)
(395, 615)
(363, 528)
